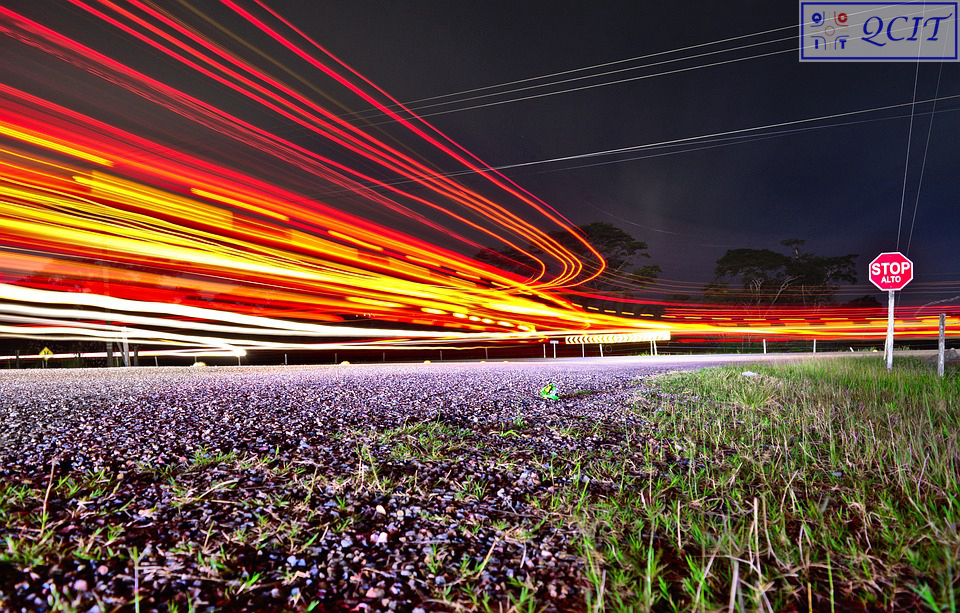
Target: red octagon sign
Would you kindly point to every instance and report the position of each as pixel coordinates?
(891, 271)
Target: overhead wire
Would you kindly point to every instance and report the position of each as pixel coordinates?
(923, 165)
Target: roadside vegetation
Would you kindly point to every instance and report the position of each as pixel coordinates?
(810, 486)
(818, 485)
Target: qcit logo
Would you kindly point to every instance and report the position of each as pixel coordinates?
(879, 31)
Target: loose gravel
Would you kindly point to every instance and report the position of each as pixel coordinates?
(414, 487)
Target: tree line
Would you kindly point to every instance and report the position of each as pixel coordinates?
(792, 275)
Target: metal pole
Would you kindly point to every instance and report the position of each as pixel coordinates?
(126, 349)
(583, 350)
(18, 359)
(238, 361)
(942, 345)
(814, 345)
(601, 350)
(486, 355)
(109, 355)
(764, 345)
(544, 351)
(441, 355)
(554, 352)
(136, 355)
(156, 361)
(284, 359)
(890, 330)
(655, 350)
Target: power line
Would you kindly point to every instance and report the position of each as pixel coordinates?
(594, 66)
(594, 85)
(906, 163)
(923, 165)
(739, 140)
(579, 78)
(713, 135)
(738, 136)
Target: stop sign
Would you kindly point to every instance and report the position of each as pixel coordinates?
(891, 271)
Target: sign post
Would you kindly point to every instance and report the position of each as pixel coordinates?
(941, 344)
(890, 271)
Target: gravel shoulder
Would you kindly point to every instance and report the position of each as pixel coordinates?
(430, 486)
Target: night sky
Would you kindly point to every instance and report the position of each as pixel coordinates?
(839, 188)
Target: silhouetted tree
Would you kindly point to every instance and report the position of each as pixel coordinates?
(770, 277)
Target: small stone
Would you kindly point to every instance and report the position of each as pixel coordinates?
(375, 593)
(102, 570)
(80, 585)
(381, 510)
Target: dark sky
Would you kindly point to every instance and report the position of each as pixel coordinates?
(838, 188)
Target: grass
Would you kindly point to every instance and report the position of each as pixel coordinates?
(818, 485)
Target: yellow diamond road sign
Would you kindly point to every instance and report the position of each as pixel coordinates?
(46, 353)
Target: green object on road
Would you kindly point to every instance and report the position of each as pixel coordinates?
(549, 392)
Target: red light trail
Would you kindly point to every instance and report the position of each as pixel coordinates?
(249, 239)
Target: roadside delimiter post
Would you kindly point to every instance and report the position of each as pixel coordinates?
(942, 344)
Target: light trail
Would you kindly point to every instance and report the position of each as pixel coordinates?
(111, 233)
